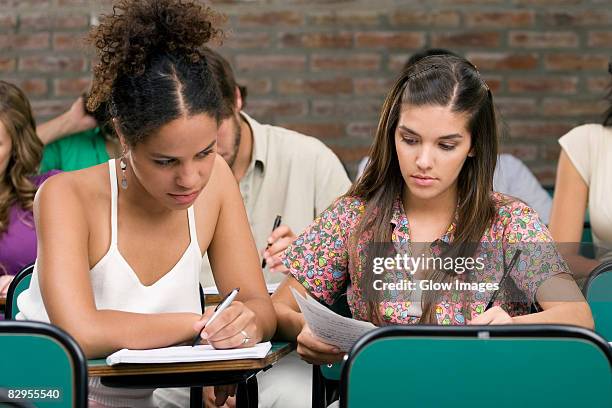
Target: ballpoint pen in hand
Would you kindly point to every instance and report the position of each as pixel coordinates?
(227, 300)
(277, 222)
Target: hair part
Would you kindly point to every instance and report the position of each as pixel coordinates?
(26, 152)
(152, 69)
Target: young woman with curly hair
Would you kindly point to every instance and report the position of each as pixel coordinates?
(20, 154)
(121, 243)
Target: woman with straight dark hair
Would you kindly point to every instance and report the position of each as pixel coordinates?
(121, 243)
(427, 194)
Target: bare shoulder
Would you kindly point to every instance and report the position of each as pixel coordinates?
(73, 192)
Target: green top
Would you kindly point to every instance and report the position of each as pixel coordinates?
(75, 152)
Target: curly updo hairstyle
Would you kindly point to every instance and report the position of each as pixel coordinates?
(151, 66)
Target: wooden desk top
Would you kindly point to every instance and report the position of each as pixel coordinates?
(2, 300)
(99, 368)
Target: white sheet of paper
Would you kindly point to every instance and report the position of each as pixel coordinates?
(184, 354)
(212, 290)
(330, 327)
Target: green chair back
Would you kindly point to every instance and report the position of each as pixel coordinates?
(471, 366)
(598, 292)
(44, 363)
(20, 282)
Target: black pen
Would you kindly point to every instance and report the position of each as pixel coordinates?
(277, 222)
(227, 300)
(506, 273)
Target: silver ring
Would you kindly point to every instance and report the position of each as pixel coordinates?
(246, 337)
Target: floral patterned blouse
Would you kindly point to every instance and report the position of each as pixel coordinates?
(319, 259)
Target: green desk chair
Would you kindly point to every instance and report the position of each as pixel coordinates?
(44, 363)
(478, 366)
(20, 282)
(598, 292)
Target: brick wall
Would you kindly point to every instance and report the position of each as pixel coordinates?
(323, 67)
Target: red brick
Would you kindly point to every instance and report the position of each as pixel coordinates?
(256, 86)
(397, 62)
(317, 40)
(350, 154)
(271, 19)
(330, 86)
(7, 20)
(493, 82)
(69, 41)
(45, 21)
(239, 40)
(546, 84)
(598, 84)
(390, 39)
(525, 152)
(503, 61)
(550, 152)
(335, 18)
(466, 39)
(550, 39)
(362, 130)
(353, 62)
(52, 63)
(496, 19)
(319, 130)
(5, 4)
(538, 129)
(416, 18)
(576, 61)
(7, 64)
(31, 86)
(270, 62)
(547, 2)
(601, 39)
(35, 41)
(577, 18)
(372, 86)
(71, 86)
(343, 108)
(515, 106)
(572, 107)
(274, 107)
(46, 109)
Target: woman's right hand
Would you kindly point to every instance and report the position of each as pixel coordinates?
(314, 351)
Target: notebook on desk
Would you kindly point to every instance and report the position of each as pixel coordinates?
(212, 290)
(187, 354)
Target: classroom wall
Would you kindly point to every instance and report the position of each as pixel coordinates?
(323, 67)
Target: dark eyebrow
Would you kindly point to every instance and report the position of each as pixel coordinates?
(159, 155)
(446, 137)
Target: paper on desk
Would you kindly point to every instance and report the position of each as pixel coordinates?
(330, 327)
(185, 354)
(212, 290)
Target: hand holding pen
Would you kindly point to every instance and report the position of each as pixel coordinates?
(278, 241)
(231, 325)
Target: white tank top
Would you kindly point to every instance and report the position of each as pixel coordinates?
(116, 286)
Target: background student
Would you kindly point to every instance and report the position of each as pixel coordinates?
(118, 266)
(20, 153)
(428, 190)
(583, 181)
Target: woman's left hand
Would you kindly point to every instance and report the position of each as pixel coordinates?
(5, 282)
(235, 327)
(495, 315)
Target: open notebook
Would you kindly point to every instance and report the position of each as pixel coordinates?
(186, 354)
(212, 290)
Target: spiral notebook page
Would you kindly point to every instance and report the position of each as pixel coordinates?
(184, 354)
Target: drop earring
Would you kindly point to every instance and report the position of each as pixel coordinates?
(123, 166)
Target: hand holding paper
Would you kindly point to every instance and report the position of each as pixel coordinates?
(330, 327)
